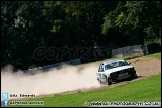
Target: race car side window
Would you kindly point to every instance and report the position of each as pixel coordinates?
(121, 63)
(101, 68)
(107, 67)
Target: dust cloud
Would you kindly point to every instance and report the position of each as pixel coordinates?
(67, 78)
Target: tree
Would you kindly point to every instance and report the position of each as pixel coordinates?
(21, 31)
(140, 20)
(32, 24)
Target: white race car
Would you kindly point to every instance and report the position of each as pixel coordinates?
(115, 70)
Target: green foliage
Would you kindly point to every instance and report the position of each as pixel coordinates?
(28, 25)
(109, 23)
(32, 24)
(135, 15)
(120, 19)
(21, 31)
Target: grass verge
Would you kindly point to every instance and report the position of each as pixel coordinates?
(147, 90)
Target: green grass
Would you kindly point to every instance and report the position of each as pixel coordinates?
(155, 55)
(148, 90)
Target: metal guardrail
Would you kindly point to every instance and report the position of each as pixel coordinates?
(48, 67)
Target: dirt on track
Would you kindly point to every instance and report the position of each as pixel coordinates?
(72, 79)
(145, 67)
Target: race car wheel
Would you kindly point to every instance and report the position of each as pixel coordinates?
(109, 81)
